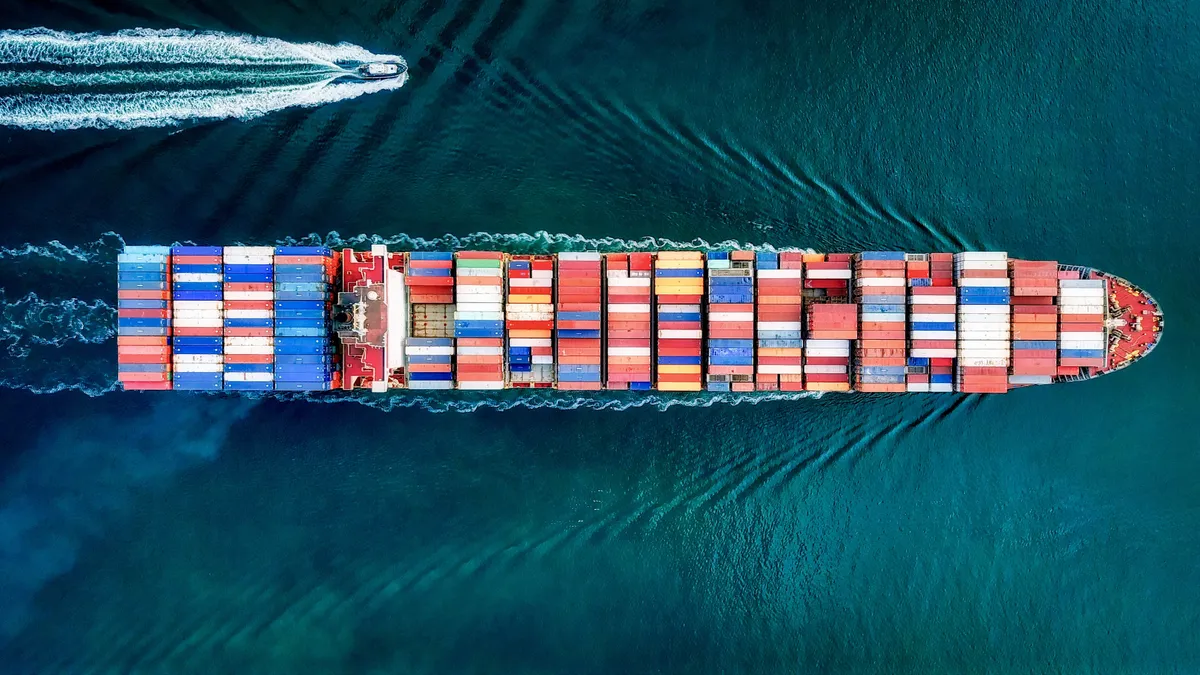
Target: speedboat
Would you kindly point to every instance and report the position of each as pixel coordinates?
(382, 70)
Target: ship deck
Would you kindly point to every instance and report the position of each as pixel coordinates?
(1135, 321)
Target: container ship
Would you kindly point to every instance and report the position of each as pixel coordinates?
(308, 318)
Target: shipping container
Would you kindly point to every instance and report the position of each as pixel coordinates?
(578, 321)
(731, 325)
(628, 329)
(678, 293)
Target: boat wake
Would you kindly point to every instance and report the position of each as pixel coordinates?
(52, 80)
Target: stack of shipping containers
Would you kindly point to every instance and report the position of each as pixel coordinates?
(479, 319)
(429, 352)
(1082, 305)
(679, 292)
(627, 278)
(984, 316)
(578, 321)
(198, 318)
(303, 291)
(730, 321)
(249, 318)
(880, 288)
(529, 314)
(917, 272)
(1034, 322)
(779, 322)
(144, 317)
(933, 334)
(827, 357)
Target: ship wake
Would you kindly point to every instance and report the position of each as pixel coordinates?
(52, 80)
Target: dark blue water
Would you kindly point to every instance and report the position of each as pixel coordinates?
(1051, 530)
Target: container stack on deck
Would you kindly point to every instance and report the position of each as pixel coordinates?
(529, 314)
(880, 286)
(144, 317)
(679, 291)
(832, 322)
(249, 305)
(933, 327)
(429, 352)
(1082, 304)
(779, 322)
(479, 319)
(1034, 322)
(984, 314)
(578, 327)
(916, 368)
(627, 276)
(303, 289)
(730, 321)
(198, 318)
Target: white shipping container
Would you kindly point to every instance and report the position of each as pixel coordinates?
(629, 309)
(421, 350)
(198, 358)
(1069, 292)
(481, 386)
(933, 353)
(1002, 310)
(249, 377)
(779, 325)
(791, 274)
(885, 282)
(1030, 379)
(249, 349)
(632, 282)
(678, 309)
(680, 334)
(985, 335)
(827, 351)
(922, 387)
(982, 362)
(1081, 283)
(248, 259)
(249, 314)
(196, 278)
(476, 306)
(969, 282)
(629, 351)
(249, 295)
(951, 299)
(239, 340)
(540, 359)
(198, 368)
(931, 318)
(479, 316)
(883, 317)
(542, 274)
(982, 354)
(825, 370)
(579, 255)
(973, 264)
(719, 265)
(480, 351)
(731, 316)
(197, 304)
(831, 344)
(933, 335)
(825, 274)
(966, 343)
(781, 370)
(941, 387)
(1082, 344)
(267, 251)
(531, 342)
(981, 255)
(1091, 335)
(529, 316)
(199, 323)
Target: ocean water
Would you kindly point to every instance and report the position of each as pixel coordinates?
(1049, 530)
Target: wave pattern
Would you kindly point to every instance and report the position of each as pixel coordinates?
(62, 81)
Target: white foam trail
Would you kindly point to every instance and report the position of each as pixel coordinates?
(103, 251)
(58, 112)
(537, 242)
(53, 323)
(188, 76)
(144, 45)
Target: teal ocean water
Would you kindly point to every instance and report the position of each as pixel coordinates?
(1048, 530)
